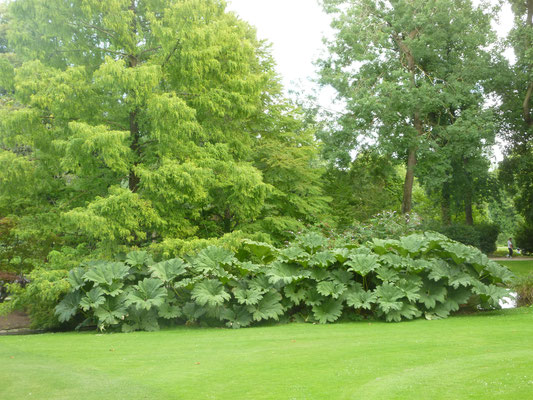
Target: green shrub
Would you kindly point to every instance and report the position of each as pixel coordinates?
(466, 234)
(310, 280)
(385, 225)
(483, 236)
(488, 235)
(524, 238)
(524, 291)
(39, 297)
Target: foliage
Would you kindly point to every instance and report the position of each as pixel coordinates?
(414, 76)
(313, 279)
(515, 87)
(39, 297)
(488, 235)
(524, 290)
(128, 124)
(384, 225)
(524, 238)
(370, 185)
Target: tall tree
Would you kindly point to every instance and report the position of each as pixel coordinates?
(134, 117)
(408, 71)
(517, 111)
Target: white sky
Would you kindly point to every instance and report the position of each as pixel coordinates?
(296, 28)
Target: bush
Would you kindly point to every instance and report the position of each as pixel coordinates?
(385, 225)
(466, 234)
(39, 297)
(488, 235)
(524, 238)
(524, 290)
(311, 280)
(483, 236)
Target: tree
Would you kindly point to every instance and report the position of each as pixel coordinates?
(130, 121)
(516, 90)
(411, 72)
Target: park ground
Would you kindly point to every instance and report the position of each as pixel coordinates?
(487, 355)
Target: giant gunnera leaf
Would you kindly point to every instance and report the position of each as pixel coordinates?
(268, 307)
(168, 270)
(93, 299)
(68, 307)
(147, 293)
(210, 292)
(362, 264)
(329, 311)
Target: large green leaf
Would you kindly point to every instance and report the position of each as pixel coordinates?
(357, 298)
(501, 273)
(388, 297)
(331, 289)
(147, 293)
(457, 251)
(141, 320)
(295, 293)
(68, 307)
(75, 278)
(411, 245)
(341, 254)
(168, 270)
(263, 251)
(322, 259)
(268, 307)
(295, 254)
(381, 246)
(114, 289)
(92, 299)
(193, 311)
(246, 295)
(105, 273)
(281, 272)
(410, 287)
(490, 294)
(328, 311)
(387, 274)
(363, 264)
(459, 278)
(168, 310)
(138, 259)
(341, 276)
(439, 269)
(210, 292)
(212, 261)
(432, 292)
(313, 297)
(112, 311)
(407, 311)
(237, 317)
(312, 242)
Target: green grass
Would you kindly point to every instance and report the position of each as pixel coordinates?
(483, 356)
(519, 267)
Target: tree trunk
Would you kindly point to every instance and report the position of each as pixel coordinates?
(446, 215)
(417, 122)
(409, 180)
(469, 219)
(133, 179)
(468, 191)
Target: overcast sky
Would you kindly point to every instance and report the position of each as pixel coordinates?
(296, 28)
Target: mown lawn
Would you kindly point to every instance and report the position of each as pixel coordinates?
(519, 267)
(482, 356)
